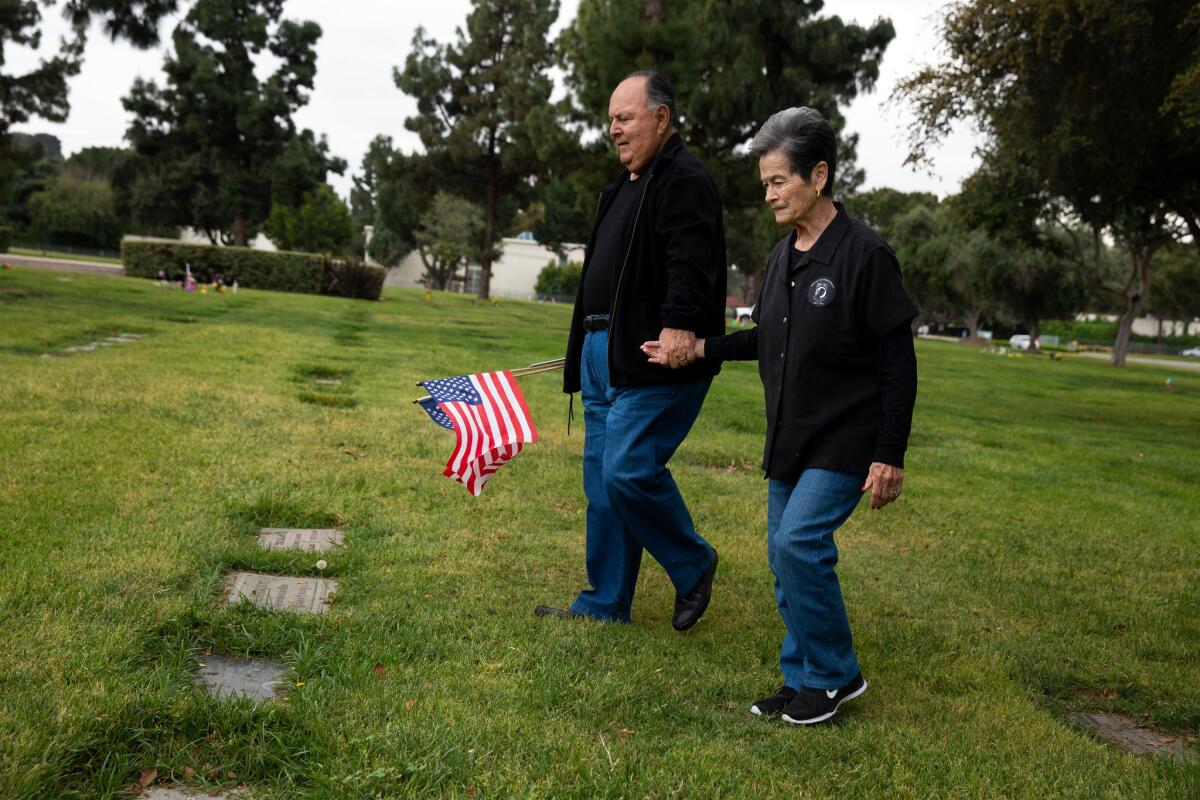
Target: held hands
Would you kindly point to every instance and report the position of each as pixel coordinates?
(674, 348)
(885, 483)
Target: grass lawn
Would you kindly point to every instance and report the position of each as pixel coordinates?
(1045, 558)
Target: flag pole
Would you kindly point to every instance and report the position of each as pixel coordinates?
(521, 372)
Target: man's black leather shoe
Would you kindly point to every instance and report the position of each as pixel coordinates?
(563, 613)
(690, 607)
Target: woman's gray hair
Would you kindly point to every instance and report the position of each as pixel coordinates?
(804, 136)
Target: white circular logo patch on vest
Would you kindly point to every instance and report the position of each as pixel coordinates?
(821, 292)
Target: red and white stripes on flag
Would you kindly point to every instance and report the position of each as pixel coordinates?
(490, 420)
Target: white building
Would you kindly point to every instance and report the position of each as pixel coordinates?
(514, 273)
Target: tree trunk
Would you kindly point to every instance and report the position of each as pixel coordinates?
(1135, 300)
(239, 231)
(489, 236)
(1035, 326)
(973, 322)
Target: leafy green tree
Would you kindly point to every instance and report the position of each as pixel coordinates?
(33, 161)
(322, 224)
(733, 63)
(451, 236)
(43, 91)
(216, 144)
(388, 194)
(75, 212)
(480, 99)
(1175, 291)
(880, 207)
(562, 221)
(559, 279)
(96, 163)
(1079, 94)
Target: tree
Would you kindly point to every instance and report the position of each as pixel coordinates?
(216, 145)
(1036, 278)
(75, 212)
(43, 92)
(733, 63)
(1079, 94)
(562, 221)
(321, 224)
(479, 100)
(559, 279)
(1175, 291)
(388, 195)
(452, 235)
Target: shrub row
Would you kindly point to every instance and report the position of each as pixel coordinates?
(6, 236)
(308, 273)
(353, 278)
(253, 269)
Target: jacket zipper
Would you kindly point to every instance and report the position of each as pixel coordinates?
(628, 249)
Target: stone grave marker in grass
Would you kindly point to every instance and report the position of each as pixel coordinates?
(1125, 734)
(168, 793)
(227, 676)
(280, 592)
(316, 540)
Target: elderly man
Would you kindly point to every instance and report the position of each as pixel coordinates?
(654, 269)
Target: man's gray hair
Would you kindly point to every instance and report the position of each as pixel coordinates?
(659, 92)
(804, 136)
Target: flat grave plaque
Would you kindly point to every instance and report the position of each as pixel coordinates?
(1128, 737)
(280, 592)
(167, 793)
(226, 676)
(316, 540)
(327, 381)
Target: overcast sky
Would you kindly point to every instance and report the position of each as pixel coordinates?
(355, 98)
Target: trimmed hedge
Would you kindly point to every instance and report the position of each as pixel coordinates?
(253, 269)
(353, 278)
(6, 237)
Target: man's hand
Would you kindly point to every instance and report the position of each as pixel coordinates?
(885, 483)
(676, 348)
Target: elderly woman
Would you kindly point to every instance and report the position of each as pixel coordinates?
(835, 354)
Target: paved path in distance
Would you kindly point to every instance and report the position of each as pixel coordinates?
(62, 264)
(1154, 362)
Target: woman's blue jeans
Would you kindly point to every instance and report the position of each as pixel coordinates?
(801, 517)
(633, 502)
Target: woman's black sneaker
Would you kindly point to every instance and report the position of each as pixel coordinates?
(811, 706)
(770, 706)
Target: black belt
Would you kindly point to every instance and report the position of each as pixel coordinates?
(596, 322)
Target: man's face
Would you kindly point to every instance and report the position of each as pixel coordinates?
(637, 131)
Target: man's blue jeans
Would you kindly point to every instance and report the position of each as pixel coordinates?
(633, 502)
(801, 518)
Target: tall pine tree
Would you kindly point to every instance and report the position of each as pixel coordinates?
(217, 144)
(733, 63)
(481, 100)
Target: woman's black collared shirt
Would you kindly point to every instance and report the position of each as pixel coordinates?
(821, 318)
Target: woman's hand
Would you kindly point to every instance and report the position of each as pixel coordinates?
(658, 355)
(885, 483)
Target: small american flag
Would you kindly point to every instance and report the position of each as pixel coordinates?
(490, 420)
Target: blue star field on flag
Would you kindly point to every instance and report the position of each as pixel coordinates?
(448, 390)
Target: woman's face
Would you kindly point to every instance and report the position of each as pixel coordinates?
(791, 197)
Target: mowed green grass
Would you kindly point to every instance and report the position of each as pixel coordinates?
(1045, 558)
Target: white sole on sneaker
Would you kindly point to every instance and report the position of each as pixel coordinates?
(824, 717)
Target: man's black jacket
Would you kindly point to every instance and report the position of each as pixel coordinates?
(673, 275)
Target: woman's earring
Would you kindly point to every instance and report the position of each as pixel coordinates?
(818, 191)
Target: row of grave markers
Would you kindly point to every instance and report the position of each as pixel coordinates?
(224, 676)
